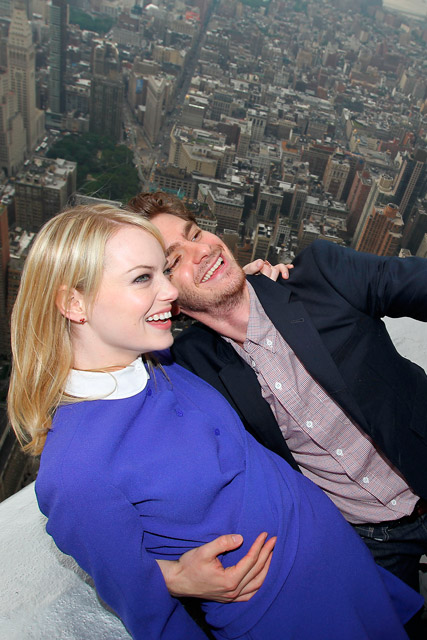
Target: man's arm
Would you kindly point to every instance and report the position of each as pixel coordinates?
(376, 285)
(199, 573)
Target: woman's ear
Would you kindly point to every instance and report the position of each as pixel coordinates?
(70, 304)
(175, 308)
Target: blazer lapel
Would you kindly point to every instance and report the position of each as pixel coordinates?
(296, 327)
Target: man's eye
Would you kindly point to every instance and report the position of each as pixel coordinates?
(171, 266)
(196, 235)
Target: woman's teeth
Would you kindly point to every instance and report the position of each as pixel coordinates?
(209, 273)
(159, 316)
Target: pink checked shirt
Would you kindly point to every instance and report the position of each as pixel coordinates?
(328, 447)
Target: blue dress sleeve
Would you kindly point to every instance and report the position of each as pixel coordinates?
(94, 522)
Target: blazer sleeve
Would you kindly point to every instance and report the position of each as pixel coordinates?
(378, 286)
(95, 524)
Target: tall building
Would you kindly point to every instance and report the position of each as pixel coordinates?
(227, 206)
(335, 176)
(106, 92)
(415, 228)
(58, 20)
(411, 182)
(156, 93)
(5, 8)
(382, 231)
(4, 260)
(362, 184)
(21, 65)
(42, 190)
(13, 143)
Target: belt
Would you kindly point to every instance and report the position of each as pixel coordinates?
(419, 510)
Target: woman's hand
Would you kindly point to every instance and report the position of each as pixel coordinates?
(267, 269)
(199, 574)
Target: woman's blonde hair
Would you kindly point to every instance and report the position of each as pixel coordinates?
(68, 251)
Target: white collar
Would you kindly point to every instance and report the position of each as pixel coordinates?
(108, 385)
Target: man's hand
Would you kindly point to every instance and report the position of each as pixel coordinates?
(199, 574)
(267, 269)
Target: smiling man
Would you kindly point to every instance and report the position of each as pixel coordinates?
(308, 365)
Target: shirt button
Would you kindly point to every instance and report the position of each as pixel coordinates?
(365, 480)
(339, 452)
(179, 413)
(253, 364)
(278, 385)
(309, 424)
(394, 503)
(269, 343)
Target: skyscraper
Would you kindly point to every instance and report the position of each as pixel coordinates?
(382, 231)
(4, 259)
(156, 90)
(107, 91)
(58, 20)
(21, 65)
(411, 182)
(13, 142)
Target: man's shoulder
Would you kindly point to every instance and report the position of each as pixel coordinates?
(195, 337)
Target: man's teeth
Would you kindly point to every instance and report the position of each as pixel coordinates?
(159, 316)
(209, 273)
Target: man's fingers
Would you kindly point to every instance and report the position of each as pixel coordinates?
(255, 578)
(253, 267)
(220, 545)
(255, 572)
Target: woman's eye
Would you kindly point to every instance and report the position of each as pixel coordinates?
(167, 272)
(143, 278)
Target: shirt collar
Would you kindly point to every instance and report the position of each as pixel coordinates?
(261, 330)
(108, 385)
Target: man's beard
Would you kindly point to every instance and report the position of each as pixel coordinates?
(216, 302)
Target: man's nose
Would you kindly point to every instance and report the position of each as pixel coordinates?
(200, 250)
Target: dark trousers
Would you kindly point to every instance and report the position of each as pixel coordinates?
(399, 549)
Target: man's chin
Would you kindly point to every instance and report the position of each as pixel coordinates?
(212, 301)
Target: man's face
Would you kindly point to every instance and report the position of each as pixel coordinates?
(203, 269)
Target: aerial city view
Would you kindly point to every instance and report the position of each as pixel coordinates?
(155, 159)
(276, 122)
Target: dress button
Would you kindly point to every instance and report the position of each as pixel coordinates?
(365, 480)
(179, 413)
(339, 452)
(149, 392)
(309, 424)
(217, 432)
(278, 385)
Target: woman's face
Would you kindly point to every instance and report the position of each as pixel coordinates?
(131, 313)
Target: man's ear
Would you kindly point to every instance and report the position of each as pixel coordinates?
(70, 303)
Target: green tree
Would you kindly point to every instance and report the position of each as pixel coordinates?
(104, 169)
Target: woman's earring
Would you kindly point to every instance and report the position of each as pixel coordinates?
(82, 320)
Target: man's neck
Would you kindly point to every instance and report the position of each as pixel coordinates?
(231, 322)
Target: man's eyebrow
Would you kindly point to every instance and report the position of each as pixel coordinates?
(186, 232)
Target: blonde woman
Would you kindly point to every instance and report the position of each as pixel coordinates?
(142, 464)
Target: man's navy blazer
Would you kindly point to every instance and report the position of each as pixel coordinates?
(329, 312)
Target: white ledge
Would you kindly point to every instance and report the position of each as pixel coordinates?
(44, 594)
